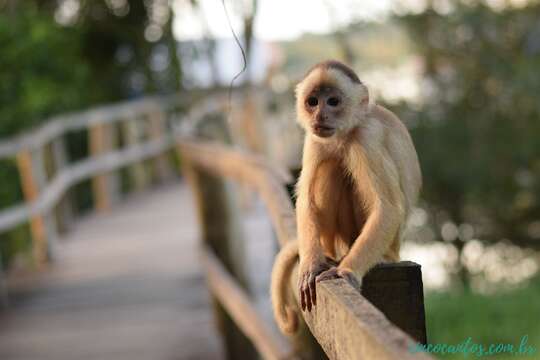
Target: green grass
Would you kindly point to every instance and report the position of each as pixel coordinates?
(487, 319)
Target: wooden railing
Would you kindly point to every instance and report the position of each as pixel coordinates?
(142, 128)
(344, 323)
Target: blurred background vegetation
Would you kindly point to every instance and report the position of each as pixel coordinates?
(462, 74)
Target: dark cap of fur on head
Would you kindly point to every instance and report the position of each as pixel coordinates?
(334, 64)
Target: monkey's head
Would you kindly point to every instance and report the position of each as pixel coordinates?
(331, 99)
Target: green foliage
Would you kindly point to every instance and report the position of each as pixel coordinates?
(477, 131)
(11, 194)
(42, 71)
(503, 318)
(10, 191)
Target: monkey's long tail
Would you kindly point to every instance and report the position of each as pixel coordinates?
(285, 315)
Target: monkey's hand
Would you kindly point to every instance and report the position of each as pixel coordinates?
(306, 281)
(339, 273)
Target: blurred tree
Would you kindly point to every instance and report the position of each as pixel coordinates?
(477, 131)
(65, 55)
(131, 46)
(42, 71)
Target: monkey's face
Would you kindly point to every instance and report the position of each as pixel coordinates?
(325, 106)
(329, 103)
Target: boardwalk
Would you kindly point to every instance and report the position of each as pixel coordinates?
(126, 285)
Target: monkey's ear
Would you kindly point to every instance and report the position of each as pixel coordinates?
(366, 99)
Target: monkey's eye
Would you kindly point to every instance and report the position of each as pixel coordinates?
(333, 101)
(312, 101)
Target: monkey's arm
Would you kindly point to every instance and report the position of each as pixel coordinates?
(312, 261)
(379, 231)
(308, 229)
(385, 202)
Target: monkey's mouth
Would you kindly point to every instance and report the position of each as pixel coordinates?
(323, 130)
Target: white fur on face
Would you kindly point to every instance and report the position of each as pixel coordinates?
(356, 99)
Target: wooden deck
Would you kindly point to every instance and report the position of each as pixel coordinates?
(126, 285)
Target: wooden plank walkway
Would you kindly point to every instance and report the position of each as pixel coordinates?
(126, 285)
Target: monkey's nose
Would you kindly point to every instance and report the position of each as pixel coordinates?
(321, 119)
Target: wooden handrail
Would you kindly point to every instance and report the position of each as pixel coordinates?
(348, 326)
(103, 159)
(62, 124)
(85, 169)
(251, 170)
(237, 303)
(104, 114)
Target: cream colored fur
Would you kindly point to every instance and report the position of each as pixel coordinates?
(355, 192)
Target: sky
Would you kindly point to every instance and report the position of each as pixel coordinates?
(278, 19)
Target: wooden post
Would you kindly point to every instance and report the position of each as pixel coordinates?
(251, 131)
(158, 127)
(396, 289)
(131, 129)
(31, 167)
(64, 212)
(221, 231)
(104, 185)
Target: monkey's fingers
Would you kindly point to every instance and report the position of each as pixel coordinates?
(312, 289)
(307, 293)
(302, 294)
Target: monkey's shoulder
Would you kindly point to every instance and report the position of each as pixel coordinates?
(387, 118)
(390, 124)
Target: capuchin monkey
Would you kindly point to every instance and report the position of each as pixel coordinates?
(360, 179)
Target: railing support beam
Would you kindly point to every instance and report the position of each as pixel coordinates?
(33, 176)
(103, 184)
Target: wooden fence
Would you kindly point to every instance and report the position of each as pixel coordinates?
(118, 136)
(344, 323)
